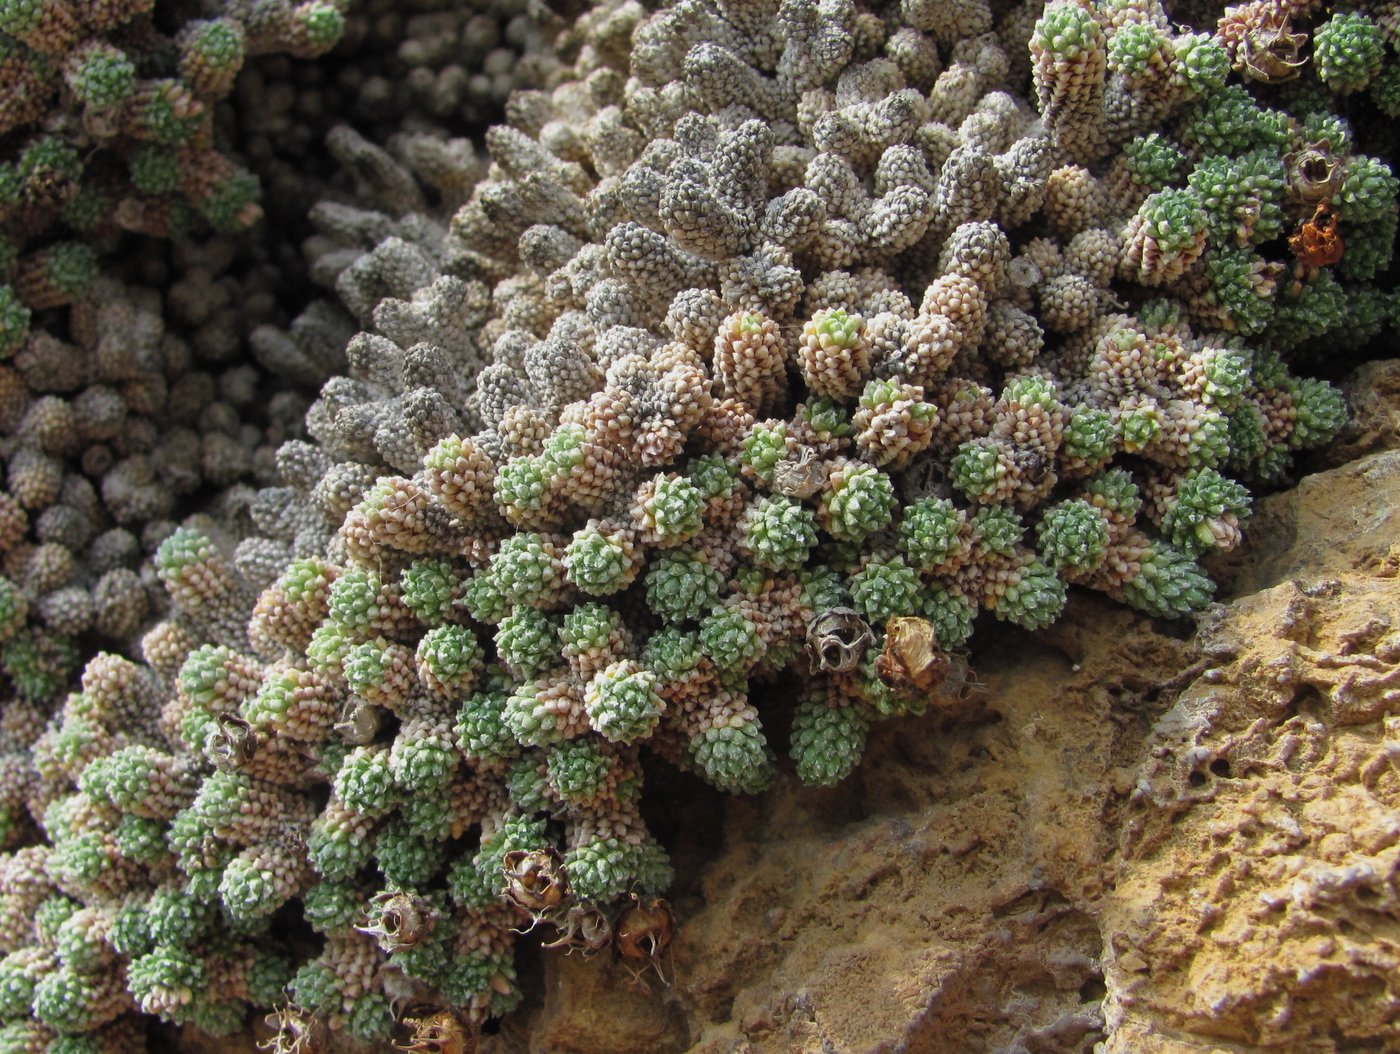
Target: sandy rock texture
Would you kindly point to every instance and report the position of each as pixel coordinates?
(1128, 839)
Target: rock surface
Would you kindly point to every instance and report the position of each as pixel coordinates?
(1127, 839)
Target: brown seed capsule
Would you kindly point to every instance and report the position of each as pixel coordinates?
(912, 659)
(583, 927)
(1313, 173)
(399, 921)
(535, 879)
(644, 931)
(440, 1032)
(837, 639)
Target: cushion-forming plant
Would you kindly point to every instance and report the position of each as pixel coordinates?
(771, 341)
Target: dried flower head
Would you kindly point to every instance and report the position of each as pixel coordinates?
(440, 1031)
(644, 930)
(584, 927)
(911, 659)
(399, 921)
(295, 1031)
(1261, 42)
(359, 722)
(1314, 173)
(535, 879)
(837, 639)
(1317, 243)
(232, 743)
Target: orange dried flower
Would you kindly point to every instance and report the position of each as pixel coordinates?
(1317, 243)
